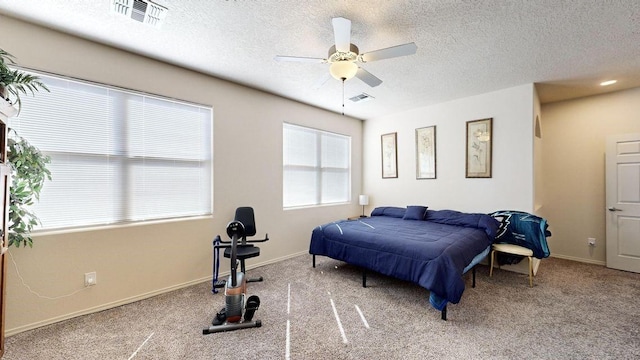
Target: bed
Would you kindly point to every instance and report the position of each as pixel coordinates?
(432, 248)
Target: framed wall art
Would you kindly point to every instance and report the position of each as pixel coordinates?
(426, 153)
(478, 152)
(389, 156)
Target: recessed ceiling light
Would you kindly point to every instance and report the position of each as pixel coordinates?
(607, 83)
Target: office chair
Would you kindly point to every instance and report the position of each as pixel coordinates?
(246, 249)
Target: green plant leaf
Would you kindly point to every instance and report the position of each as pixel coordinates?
(29, 174)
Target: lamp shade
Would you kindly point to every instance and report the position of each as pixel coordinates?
(363, 200)
(343, 69)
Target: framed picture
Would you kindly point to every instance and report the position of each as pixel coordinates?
(426, 153)
(479, 144)
(389, 156)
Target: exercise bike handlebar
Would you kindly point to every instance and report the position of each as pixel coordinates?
(266, 238)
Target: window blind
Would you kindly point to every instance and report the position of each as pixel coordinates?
(316, 167)
(117, 156)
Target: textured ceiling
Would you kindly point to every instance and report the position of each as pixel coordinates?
(464, 47)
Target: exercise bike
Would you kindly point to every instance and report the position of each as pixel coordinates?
(237, 313)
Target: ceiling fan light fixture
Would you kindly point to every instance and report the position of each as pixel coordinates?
(343, 70)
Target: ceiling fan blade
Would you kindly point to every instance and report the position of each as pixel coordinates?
(342, 33)
(368, 78)
(321, 81)
(299, 59)
(391, 52)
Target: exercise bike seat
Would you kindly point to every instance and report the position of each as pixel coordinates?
(244, 251)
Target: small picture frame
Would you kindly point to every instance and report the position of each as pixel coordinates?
(426, 153)
(389, 155)
(479, 148)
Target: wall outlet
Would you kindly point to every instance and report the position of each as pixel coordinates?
(591, 241)
(90, 279)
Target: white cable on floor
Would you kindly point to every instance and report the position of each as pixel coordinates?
(366, 324)
(335, 313)
(140, 347)
(287, 353)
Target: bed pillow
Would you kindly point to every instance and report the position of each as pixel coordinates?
(390, 211)
(473, 220)
(415, 212)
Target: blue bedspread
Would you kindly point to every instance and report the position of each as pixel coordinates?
(432, 252)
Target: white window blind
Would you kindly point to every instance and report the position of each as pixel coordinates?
(316, 167)
(117, 156)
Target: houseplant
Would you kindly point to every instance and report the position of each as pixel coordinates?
(15, 82)
(29, 173)
(28, 163)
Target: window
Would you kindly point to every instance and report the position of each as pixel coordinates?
(117, 156)
(316, 167)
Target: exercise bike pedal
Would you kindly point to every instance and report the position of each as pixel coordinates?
(260, 279)
(253, 303)
(219, 284)
(220, 317)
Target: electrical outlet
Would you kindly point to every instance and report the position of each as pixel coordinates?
(591, 241)
(90, 279)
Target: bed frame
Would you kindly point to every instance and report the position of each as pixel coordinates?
(443, 313)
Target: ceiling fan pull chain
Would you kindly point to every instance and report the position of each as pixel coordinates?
(342, 96)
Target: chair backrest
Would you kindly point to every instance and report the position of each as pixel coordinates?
(245, 216)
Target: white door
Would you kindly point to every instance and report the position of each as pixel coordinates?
(623, 202)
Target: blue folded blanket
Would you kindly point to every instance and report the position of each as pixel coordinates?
(523, 229)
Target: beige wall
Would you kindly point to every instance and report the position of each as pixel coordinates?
(574, 137)
(511, 184)
(136, 261)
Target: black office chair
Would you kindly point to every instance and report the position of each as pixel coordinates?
(246, 249)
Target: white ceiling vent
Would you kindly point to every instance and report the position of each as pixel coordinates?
(362, 97)
(143, 11)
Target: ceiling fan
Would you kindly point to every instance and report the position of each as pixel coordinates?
(344, 55)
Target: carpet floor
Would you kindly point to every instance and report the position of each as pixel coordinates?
(574, 311)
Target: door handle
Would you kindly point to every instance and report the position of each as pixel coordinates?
(613, 208)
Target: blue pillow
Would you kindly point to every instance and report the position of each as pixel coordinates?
(390, 211)
(473, 220)
(415, 212)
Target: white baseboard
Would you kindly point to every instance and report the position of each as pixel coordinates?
(110, 305)
(583, 260)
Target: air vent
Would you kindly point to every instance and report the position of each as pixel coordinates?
(362, 97)
(146, 12)
(138, 11)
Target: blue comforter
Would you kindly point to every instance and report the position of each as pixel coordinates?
(432, 252)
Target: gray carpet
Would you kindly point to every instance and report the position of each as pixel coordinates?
(574, 311)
